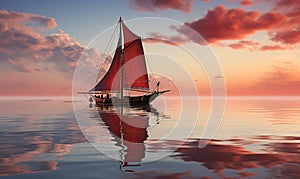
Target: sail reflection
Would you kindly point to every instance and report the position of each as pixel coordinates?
(128, 128)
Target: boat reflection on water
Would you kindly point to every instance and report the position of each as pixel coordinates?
(128, 127)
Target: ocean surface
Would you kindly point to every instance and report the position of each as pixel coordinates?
(44, 137)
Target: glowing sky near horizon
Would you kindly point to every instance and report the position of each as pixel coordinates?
(256, 42)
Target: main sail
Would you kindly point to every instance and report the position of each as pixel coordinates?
(132, 62)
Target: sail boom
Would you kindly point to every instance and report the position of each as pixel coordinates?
(92, 92)
(99, 92)
(140, 90)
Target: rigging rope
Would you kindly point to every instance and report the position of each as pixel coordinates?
(148, 64)
(106, 51)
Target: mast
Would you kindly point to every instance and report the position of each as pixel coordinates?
(122, 158)
(121, 63)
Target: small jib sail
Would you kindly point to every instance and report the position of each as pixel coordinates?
(128, 63)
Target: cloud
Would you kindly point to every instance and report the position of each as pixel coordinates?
(246, 3)
(289, 33)
(242, 44)
(231, 24)
(281, 79)
(19, 67)
(9, 17)
(252, 45)
(48, 60)
(281, 23)
(25, 48)
(157, 37)
(275, 47)
(154, 5)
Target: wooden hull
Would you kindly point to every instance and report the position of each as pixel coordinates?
(130, 100)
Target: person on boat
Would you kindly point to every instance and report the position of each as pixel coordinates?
(107, 99)
(157, 86)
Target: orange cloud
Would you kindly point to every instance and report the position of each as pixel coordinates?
(153, 5)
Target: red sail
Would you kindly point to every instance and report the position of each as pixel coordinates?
(135, 70)
(134, 66)
(111, 79)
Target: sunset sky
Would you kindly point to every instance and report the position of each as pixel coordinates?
(256, 42)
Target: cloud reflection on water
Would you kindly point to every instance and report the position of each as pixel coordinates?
(36, 135)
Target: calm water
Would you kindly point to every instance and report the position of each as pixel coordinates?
(259, 137)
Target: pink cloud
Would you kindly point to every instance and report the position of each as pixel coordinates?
(24, 21)
(252, 45)
(154, 5)
(232, 24)
(242, 44)
(275, 47)
(169, 40)
(25, 48)
(246, 2)
(221, 24)
(281, 79)
(289, 32)
(287, 36)
(19, 66)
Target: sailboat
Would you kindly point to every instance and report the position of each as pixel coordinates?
(127, 71)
